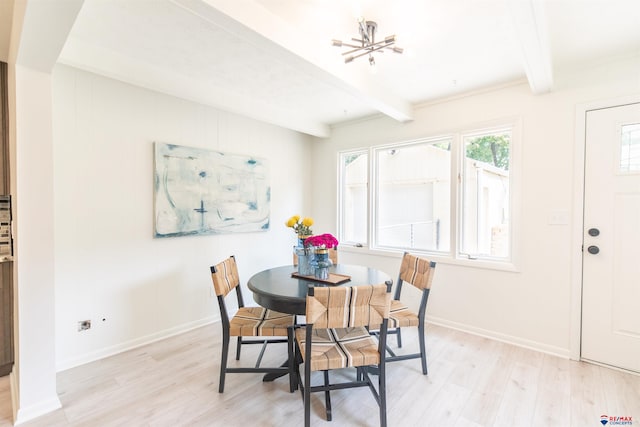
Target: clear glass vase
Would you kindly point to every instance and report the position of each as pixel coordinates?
(302, 238)
(321, 263)
(305, 256)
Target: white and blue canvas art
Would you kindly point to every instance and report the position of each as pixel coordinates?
(199, 191)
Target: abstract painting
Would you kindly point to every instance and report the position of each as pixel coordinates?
(199, 191)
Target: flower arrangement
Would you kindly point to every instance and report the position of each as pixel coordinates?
(326, 241)
(302, 226)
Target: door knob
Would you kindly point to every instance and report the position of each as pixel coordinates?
(593, 232)
(593, 250)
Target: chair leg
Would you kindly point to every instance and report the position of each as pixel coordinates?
(382, 393)
(223, 361)
(238, 345)
(297, 363)
(423, 353)
(399, 338)
(293, 382)
(307, 395)
(327, 396)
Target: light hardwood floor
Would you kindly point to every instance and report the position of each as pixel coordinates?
(472, 381)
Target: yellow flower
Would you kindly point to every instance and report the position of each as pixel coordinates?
(302, 227)
(292, 221)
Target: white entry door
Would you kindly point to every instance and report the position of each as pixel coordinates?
(611, 254)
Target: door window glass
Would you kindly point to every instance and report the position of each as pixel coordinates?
(630, 148)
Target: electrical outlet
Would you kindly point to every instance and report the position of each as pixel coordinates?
(83, 325)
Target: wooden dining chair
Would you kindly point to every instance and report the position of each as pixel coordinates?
(249, 322)
(417, 272)
(336, 336)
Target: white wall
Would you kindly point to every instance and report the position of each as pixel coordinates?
(107, 264)
(34, 382)
(532, 306)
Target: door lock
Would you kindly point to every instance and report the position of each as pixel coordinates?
(593, 250)
(593, 232)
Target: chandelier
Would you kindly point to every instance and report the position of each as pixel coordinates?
(367, 43)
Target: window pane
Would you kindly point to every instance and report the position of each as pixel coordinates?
(413, 196)
(485, 204)
(630, 148)
(355, 187)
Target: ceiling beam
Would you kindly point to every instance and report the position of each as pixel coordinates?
(531, 31)
(252, 22)
(45, 30)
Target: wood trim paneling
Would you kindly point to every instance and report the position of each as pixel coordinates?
(6, 268)
(4, 130)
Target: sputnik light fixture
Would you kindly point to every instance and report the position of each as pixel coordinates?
(367, 43)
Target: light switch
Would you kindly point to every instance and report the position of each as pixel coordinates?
(558, 217)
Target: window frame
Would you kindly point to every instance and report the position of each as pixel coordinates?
(460, 220)
(454, 255)
(375, 194)
(340, 193)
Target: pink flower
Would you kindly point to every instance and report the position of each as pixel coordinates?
(322, 240)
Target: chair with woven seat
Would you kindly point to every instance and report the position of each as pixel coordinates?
(337, 321)
(417, 272)
(249, 322)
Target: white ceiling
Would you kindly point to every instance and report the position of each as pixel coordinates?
(272, 59)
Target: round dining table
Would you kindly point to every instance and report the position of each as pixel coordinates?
(276, 288)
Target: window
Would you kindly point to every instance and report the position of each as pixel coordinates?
(485, 195)
(449, 196)
(630, 148)
(412, 208)
(354, 195)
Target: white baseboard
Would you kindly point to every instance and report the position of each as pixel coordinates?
(509, 339)
(130, 345)
(34, 411)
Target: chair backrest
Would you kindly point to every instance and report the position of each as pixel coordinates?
(225, 276)
(345, 307)
(416, 271)
(333, 255)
